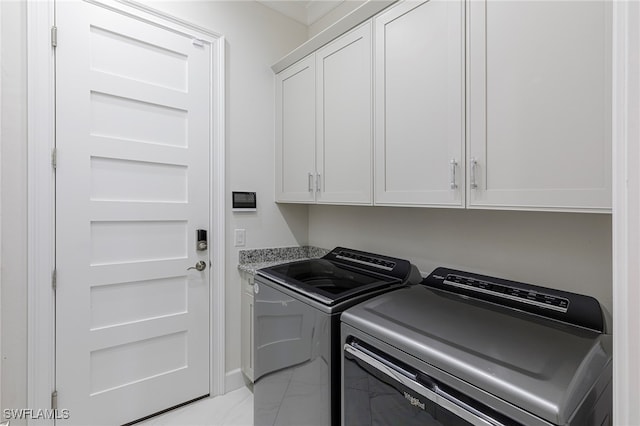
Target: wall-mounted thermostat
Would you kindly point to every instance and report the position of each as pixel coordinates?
(243, 201)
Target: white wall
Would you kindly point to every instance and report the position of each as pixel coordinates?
(256, 37)
(559, 250)
(13, 193)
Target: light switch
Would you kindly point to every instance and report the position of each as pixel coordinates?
(240, 237)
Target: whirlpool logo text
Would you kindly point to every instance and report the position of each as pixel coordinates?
(414, 401)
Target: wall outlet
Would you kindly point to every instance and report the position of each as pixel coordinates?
(240, 237)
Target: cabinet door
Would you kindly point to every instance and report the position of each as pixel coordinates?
(539, 116)
(344, 144)
(419, 105)
(295, 132)
(246, 323)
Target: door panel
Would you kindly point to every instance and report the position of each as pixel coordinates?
(132, 187)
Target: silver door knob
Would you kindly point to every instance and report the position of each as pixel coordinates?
(200, 266)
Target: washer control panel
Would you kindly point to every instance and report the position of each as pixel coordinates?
(366, 259)
(530, 297)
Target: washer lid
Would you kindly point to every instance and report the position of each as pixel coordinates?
(540, 365)
(326, 281)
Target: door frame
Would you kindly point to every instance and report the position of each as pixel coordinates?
(41, 364)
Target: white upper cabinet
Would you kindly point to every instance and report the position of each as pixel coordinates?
(419, 104)
(296, 132)
(324, 124)
(344, 119)
(539, 105)
(487, 104)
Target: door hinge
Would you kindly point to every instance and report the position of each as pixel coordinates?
(54, 279)
(54, 400)
(54, 158)
(54, 36)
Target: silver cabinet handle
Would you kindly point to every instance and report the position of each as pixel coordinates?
(200, 266)
(453, 165)
(318, 182)
(474, 165)
(310, 182)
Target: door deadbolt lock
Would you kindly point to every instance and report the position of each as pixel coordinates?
(201, 239)
(200, 266)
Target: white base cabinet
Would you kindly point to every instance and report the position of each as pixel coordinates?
(246, 325)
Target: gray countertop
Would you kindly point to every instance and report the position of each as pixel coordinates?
(252, 260)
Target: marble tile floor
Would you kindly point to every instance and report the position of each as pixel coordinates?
(232, 409)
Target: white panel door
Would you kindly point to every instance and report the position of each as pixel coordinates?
(133, 120)
(344, 147)
(540, 105)
(419, 104)
(296, 132)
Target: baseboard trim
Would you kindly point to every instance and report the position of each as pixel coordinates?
(233, 380)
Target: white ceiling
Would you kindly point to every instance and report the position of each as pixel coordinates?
(304, 11)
